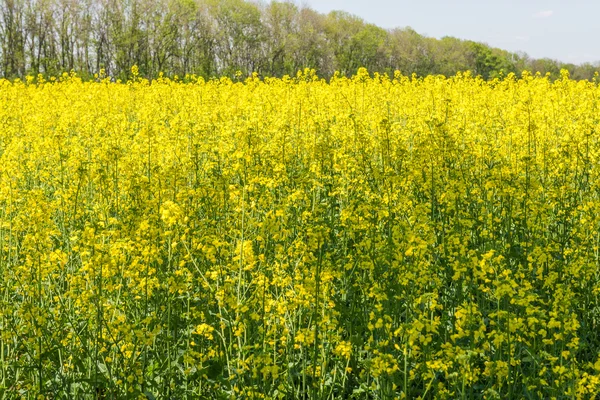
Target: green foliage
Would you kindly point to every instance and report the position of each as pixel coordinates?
(214, 38)
(489, 63)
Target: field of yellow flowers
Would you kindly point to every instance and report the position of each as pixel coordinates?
(370, 237)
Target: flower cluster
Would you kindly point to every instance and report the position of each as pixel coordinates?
(367, 237)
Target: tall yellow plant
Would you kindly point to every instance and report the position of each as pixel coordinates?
(366, 237)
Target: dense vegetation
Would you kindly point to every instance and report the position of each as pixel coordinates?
(367, 238)
(220, 37)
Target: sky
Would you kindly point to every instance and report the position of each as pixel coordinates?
(565, 30)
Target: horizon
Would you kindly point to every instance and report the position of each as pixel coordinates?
(553, 29)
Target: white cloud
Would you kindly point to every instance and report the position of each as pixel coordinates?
(543, 14)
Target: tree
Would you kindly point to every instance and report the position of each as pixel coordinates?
(13, 37)
(220, 37)
(410, 52)
(240, 36)
(354, 43)
(282, 24)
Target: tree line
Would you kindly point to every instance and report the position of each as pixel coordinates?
(221, 37)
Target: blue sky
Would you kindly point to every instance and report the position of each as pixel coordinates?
(566, 30)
